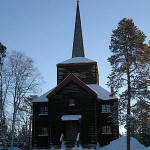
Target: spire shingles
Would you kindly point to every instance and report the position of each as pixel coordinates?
(78, 48)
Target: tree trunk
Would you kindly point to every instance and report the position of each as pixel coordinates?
(1, 101)
(13, 128)
(30, 135)
(128, 109)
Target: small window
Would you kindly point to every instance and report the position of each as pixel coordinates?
(72, 102)
(106, 130)
(106, 109)
(43, 132)
(43, 110)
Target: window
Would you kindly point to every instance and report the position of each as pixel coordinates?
(43, 110)
(106, 109)
(72, 102)
(106, 130)
(43, 132)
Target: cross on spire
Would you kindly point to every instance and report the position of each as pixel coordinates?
(78, 48)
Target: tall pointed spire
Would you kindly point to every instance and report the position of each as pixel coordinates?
(78, 48)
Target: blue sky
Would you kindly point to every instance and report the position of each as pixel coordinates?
(43, 30)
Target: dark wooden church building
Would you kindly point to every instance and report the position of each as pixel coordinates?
(78, 111)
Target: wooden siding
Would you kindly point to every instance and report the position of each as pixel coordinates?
(85, 106)
(90, 125)
(106, 119)
(38, 122)
(86, 73)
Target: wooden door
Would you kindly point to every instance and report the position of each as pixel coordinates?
(71, 130)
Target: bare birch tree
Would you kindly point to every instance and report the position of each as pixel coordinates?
(23, 82)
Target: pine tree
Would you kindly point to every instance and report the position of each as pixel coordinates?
(130, 72)
(141, 123)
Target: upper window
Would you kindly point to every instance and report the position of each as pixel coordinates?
(106, 130)
(106, 109)
(72, 102)
(43, 110)
(43, 132)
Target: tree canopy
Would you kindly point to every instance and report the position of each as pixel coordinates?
(130, 66)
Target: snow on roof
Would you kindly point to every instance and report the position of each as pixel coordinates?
(101, 92)
(77, 60)
(71, 117)
(42, 98)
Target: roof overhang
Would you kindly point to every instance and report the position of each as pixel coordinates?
(79, 64)
(77, 61)
(71, 117)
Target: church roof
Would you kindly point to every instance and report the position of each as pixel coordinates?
(43, 98)
(102, 94)
(71, 117)
(78, 57)
(78, 48)
(76, 60)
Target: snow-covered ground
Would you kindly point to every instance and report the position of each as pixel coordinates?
(14, 148)
(119, 144)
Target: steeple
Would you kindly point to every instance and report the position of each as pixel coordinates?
(78, 48)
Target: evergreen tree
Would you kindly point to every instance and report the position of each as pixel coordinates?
(141, 123)
(130, 72)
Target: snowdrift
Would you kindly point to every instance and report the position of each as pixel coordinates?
(120, 144)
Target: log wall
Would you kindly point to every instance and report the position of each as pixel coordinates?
(87, 73)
